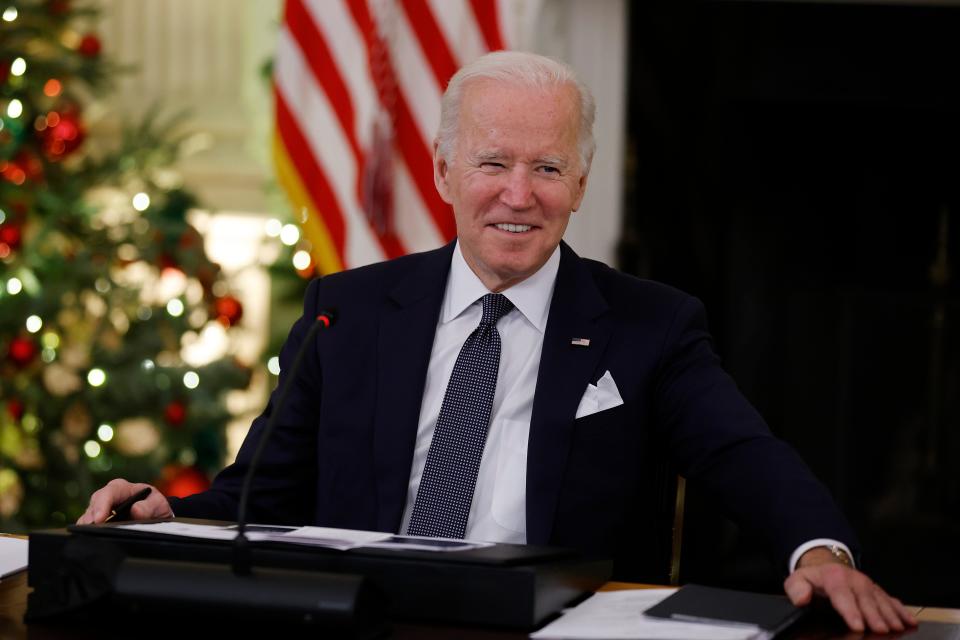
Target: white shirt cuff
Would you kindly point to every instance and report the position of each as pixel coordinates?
(818, 542)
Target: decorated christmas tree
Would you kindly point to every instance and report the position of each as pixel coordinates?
(105, 288)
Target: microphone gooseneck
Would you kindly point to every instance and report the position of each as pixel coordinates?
(241, 549)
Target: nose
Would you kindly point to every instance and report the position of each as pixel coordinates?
(517, 192)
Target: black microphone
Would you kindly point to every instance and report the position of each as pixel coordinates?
(241, 546)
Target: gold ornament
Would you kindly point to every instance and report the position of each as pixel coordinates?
(75, 355)
(11, 441)
(110, 340)
(77, 422)
(60, 380)
(136, 436)
(30, 458)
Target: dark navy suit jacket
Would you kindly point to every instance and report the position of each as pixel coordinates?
(342, 449)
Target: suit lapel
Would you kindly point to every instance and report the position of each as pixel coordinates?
(404, 342)
(576, 311)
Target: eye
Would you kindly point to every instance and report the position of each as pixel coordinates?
(548, 169)
(491, 165)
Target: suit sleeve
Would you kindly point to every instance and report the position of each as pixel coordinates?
(719, 441)
(284, 486)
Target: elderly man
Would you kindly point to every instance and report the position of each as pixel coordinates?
(502, 388)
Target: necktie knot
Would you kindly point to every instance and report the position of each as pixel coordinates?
(495, 306)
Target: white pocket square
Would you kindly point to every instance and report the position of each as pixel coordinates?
(600, 397)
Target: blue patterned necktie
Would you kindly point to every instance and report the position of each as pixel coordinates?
(453, 460)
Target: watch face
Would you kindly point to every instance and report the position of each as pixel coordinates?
(841, 556)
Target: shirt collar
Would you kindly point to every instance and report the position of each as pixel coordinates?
(531, 296)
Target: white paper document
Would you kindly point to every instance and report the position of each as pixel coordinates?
(13, 556)
(318, 536)
(618, 615)
(327, 537)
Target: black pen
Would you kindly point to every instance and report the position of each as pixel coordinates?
(122, 510)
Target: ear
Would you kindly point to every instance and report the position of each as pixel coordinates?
(581, 190)
(440, 171)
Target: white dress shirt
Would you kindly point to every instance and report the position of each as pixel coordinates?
(498, 512)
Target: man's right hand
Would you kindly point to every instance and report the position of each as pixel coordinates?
(116, 491)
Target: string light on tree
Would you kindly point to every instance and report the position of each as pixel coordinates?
(105, 432)
(10, 14)
(96, 377)
(175, 307)
(290, 234)
(301, 260)
(273, 228)
(52, 88)
(14, 109)
(141, 202)
(18, 67)
(191, 380)
(34, 324)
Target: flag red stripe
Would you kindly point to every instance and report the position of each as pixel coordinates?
(314, 179)
(486, 14)
(314, 49)
(419, 159)
(415, 152)
(435, 49)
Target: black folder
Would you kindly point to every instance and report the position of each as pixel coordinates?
(697, 603)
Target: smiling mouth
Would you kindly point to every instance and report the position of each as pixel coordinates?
(513, 228)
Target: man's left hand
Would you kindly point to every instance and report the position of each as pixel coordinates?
(860, 601)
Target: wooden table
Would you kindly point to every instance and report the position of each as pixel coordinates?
(13, 603)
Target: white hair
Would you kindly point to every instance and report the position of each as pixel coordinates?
(527, 70)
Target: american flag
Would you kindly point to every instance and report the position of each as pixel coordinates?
(357, 87)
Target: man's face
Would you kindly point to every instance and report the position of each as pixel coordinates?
(514, 178)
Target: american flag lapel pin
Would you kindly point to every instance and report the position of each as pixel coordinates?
(580, 342)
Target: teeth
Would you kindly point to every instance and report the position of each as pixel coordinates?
(513, 228)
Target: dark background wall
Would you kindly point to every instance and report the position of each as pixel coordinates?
(797, 166)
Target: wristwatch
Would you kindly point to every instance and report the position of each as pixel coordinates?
(840, 555)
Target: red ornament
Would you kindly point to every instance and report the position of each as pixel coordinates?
(90, 46)
(190, 238)
(58, 7)
(24, 167)
(175, 413)
(15, 408)
(11, 235)
(22, 351)
(228, 310)
(64, 133)
(179, 481)
(166, 261)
